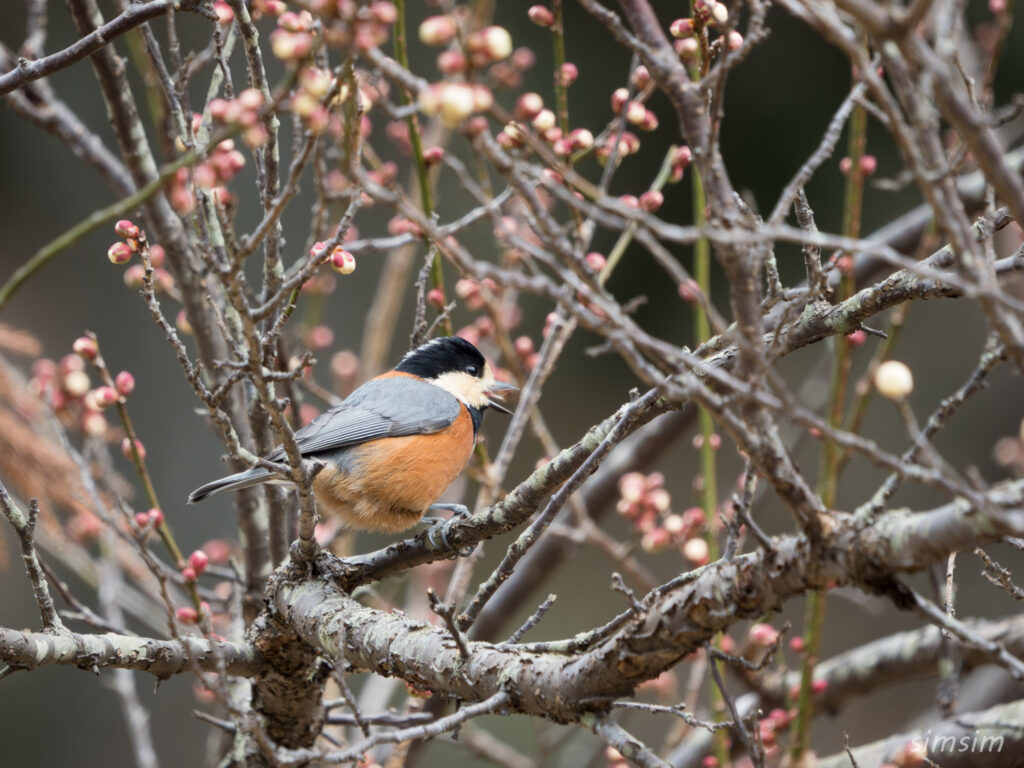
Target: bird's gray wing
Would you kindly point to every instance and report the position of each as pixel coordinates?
(387, 407)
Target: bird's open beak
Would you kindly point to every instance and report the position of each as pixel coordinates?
(499, 388)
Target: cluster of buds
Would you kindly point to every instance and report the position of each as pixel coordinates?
(195, 566)
(707, 14)
(818, 687)
(217, 171)
(306, 103)
(67, 387)
(293, 38)
(647, 505)
(681, 159)
(868, 165)
(529, 108)
(636, 113)
(485, 46)
(488, 46)
(190, 616)
(769, 727)
(341, 261)
(242, 111)
(454, 102)
(348, 23)
(122, 251)
(469, 292)
(629, 144)
(149, 520)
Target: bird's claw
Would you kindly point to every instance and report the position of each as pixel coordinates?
(439, 527)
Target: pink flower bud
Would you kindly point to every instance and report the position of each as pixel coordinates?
(134, 275)
(218, 550)
(157, 256)
(703, 8)
(687, 48)
(125, 383)
(198, 560)
(763, 635)
(126, 228)
(76, 383)
(435, 298)
(187, 615)
(528, 106)
(188, 573)
(86, 347)
(651, 200)
(868, 164)
(818, 687)
(182, 324)
(141, 519)
(544, 120)
(492, 43)
(734, 40)
(696, 551)
(640, 78)
(719, 15)
(438, 30)
(567, 74)
(126, 449)
(619, 98)
(156, 517)
(523, 346)
(119, 253)
(797, 644)
(681, 28)
(541, 16)
(581, 138)
(225, 15)
(384, 12)
(433, 155)
(856, 338)
(451, 62)
(105, 396)
(844, 166)
(595, 261)
(342, 261)
(94, 424)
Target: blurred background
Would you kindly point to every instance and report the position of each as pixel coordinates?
(778, 104)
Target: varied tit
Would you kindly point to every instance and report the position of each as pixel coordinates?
(393, 446)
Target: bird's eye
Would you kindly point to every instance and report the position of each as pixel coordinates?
(472, 370)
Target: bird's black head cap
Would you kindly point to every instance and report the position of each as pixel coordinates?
(445, 354)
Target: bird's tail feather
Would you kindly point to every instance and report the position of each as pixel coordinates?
(246, 479)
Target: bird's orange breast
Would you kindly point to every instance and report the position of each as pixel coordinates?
(395, 479)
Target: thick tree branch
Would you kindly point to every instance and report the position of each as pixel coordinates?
(162, 658)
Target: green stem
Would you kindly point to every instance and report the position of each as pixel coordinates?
(708, 469)
(615, 255)
(98, 218)
(832, 455)
(416, 140)
(561, 92)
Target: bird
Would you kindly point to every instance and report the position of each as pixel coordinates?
(391, 448)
